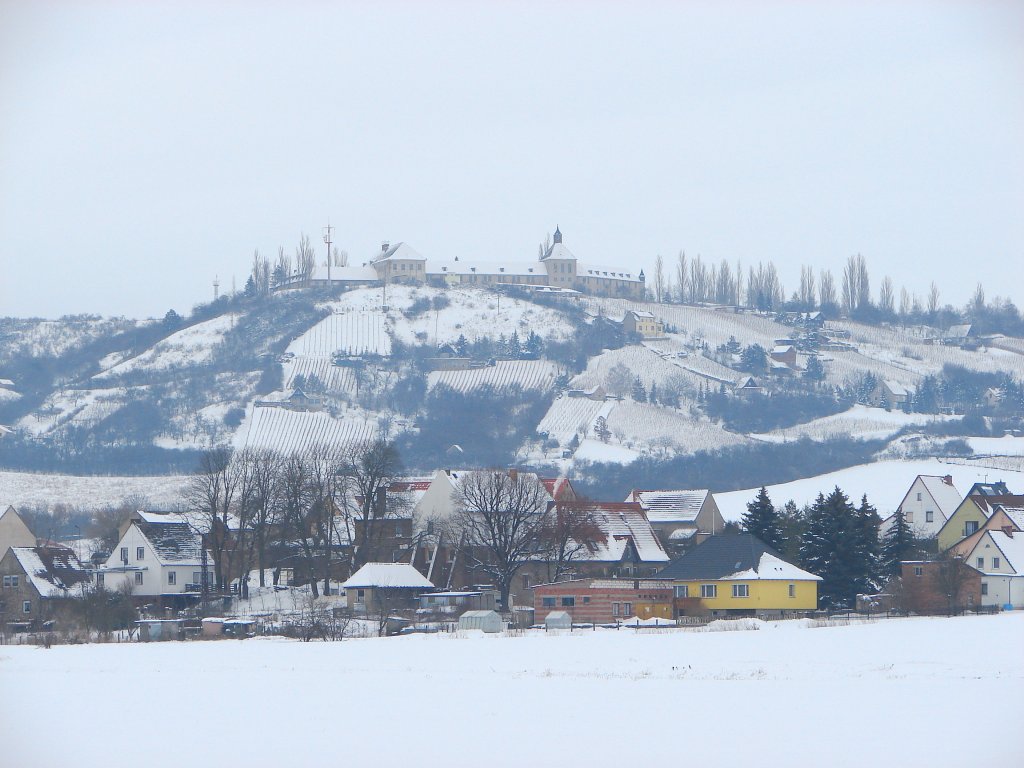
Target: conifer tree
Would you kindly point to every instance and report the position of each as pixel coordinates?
(639, 392)
(897, 544)
(868, 547)
(652, 396)
(762, 520)
(830, 548)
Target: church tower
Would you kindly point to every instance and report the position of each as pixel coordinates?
(558, 236)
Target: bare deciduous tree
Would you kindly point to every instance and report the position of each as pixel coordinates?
(211, 497)
(569, 535)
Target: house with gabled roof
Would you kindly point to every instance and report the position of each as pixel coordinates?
(738, 575)
(974, 511)
(385, 586)
(159, 555)
(927, 505)
(681, 517)
(1003, 517)
(999, 556)
(643, 324)
(890, 394)
(35, 582)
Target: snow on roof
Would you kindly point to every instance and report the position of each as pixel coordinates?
(52, 570)
(682, 534)
(679, 506)
(896, 388)
(621, 524)
(559, 251)
(617, 273)
(148, 516)
(771, 567)
(781, 349)
(344, 274)
(959, 331)
(947, 498)
(1012, 548)
(173, 542)
(6, 383)
(482, 614)
(1016, 515)
(642, 314)
(399, 251)
(388, 575)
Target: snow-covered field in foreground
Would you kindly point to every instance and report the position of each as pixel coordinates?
(786, 695)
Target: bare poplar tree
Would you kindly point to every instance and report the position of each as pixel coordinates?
(827, 291)
(886, 298)
(499, 519)
(978, 300)
(367, 469)
(933, 299)
(905, 305)
(807, 297)
(266, 501)
(305, 257)
(659, 279)
(681, 278)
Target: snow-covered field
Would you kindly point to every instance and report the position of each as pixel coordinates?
(287, 431)
(785, 695)
(193, 345)
(28, 488)
(860, 421)
(504, 374)
(885, 483)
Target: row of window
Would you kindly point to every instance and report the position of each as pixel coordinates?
(710, 591)
(11, 582)
(929, 516)
(566, 601)
(995, 563)
(140, 554)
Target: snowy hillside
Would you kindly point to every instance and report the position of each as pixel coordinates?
(188, 347)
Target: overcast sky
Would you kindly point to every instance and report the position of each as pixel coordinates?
(146, 148)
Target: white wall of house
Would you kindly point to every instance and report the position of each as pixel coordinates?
(916, 508)
(156, 579)
(1003, 590)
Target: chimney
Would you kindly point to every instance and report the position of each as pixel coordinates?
(1008, 530)
(948, 479)
(384, 245)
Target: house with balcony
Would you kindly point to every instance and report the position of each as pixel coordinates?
(738, 575)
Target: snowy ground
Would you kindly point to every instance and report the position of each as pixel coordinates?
(786, 695)
(885, 483)
(28, 488)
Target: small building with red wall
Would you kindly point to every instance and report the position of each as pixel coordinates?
(604, 601)
(923, 590)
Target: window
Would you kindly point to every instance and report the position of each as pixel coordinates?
(984, 588)
(140, 553)
(683, 590)
(124, 554)
(918, 570)
(929, 516)
(741, 590)
(360, 595)
(526, 581)
(627, 609)
(568, 602)
(708, 590)
(918, 496)
(981, 563)
(10, 582)
(138, 577)
(99, 579)
(197, 577)
(26, 607)
(971, 526)
(172, 578)
(586, 599)
(792, 590)
(995, 563)
(908, 517)
(615, 609)
(547, 602)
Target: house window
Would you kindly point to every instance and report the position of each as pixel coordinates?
(568, 602)
(360, 595)
(26, 607)
(197, 577)
(984, 588)
(792, 590)
(615, 609)
(627, 609)
(172, 578)
(971, 526)
(526, 581)
(929, 516)
(981, 563)
(918, 496)
(124, 554)
(683, 590)
(586, 599)
(741, 590)
(918, 570)
(995, 563)
(99, 579)
(708, 590)
(547, 602)
(10, 582)
(908, 517)
(138, 577)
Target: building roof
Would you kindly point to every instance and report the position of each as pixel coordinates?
(947, 498)
(594, 270)
(641, 314)
(896, 388)
(52, 570)
(398, 251)
(1012, 548)
(728, 557)
(387, 576)
(781, 349)
(621, 525)
(559, 251)
(959, 331)
(175, 543)
(1015, 513)
(680, 506)
(998, 488)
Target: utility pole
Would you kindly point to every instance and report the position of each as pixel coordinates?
(216, 287)
(327, 239)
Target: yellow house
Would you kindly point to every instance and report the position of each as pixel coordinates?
(974, 511)
(738, 575)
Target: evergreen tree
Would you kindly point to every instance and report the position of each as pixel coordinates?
(534, 346)
(791, 523)
(250, 287)
(762, 520)
(601, 429)
(652, 396)
(815, 371)
(515, 348)
(639, 392)
(897, 544)
(829, 548)
(462, 345)
(868, 548)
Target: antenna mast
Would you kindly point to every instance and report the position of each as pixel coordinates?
(216, 287)
(327, 239)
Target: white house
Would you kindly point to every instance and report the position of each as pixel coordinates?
(929, 503)
(999, 555)
(680, 515)
(158, 558)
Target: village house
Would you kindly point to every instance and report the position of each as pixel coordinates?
(681, 518)
(738, 575)
(974, 511)
(378, 587)
(999, 556)
(784, 352)
(37, 583)
(643, 324)
(160, 556)
(604, 601)
(747, 386)
(926, 507)
(13, 531)
(1004, 517)
(929, 586)
(890, 395)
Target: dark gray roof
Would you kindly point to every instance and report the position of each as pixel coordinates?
(718, 556)
(173, 542)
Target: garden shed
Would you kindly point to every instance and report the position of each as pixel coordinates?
(558, 620)
(488, 621)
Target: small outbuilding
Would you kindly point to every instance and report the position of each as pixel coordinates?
(487, 621)
(558, 620)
